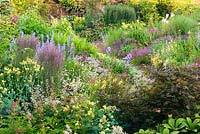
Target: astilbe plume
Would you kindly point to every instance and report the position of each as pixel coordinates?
(27, 42)
(50, 55)
(141, 52)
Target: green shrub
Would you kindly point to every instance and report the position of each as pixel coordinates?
(179, 25)
(31, 22)
(113, 35)
(61, 26)
(8, 31)
(178, 53)
(137, 31)
(82, 46)
(4, 7)
(150, 102)
(118, 13)
(22, 6)
(164, 7)
(18, 79)
(176, 126)
(74, 6)
(146, 10)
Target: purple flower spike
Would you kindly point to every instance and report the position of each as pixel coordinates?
(22, 34)
(108, 49)
(52, 37)
(128, 57)
(12, 43)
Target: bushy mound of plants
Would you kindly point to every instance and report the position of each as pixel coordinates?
(176, 126)
(118, 13)
(149, 101)
(177, 53)
(179, 24)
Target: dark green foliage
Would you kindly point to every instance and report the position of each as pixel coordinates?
(164, 7)
(176, 126)
(118, 13)
(4, 7)
(173, 92)
(146, 10)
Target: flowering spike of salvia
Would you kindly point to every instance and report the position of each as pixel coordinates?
(22, 33)
(48, 38)
(12, 43)
(52, 37)
(68, 40)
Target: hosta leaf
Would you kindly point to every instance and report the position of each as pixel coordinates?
(175, 132)
(179, 122)
(171, 122)
(166, 131)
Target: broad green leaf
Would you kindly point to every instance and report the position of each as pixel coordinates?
(179, 121)
(171, 122)
(165, 131)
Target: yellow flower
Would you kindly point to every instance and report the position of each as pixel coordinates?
(18, 72)
(91, 103)
(36, 68)
(102, 132)
(4, 90)
(103, 119)
(29, 61)
(8, 70)
(3, 81)
(27, 69)
(100, 126)
(1, 74)
(90, 113)
(77, 123)
(66, 108)
(107, 129)
(156, 61)
(23, 62)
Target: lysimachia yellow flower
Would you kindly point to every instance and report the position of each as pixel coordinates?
(90, 113)
(36, 67)
(102, 132)
(7, 70)
(16, 70)
(100, 125)
(23, 62)
(103, 119)
(4, 90)
(156, 61)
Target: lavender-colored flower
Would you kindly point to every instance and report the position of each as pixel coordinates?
(141, 52)
(27, 42)
(128, 57)
(12, 43)
(50, 56)
(108, 49)
(52, 37)
(22, 33)
(198, 64)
